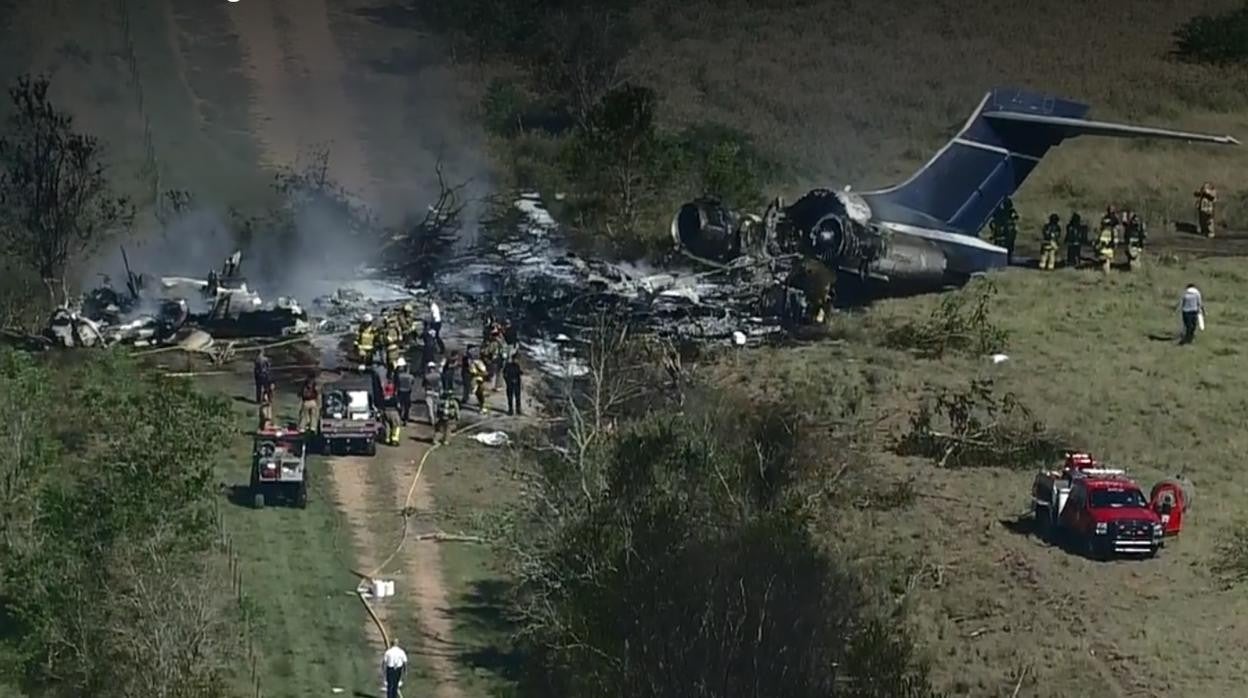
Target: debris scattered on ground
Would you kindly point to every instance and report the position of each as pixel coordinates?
(492, 438)
(220, 305)
(535, 278)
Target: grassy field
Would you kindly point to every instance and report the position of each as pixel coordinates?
(296, 564)
(848, 92)
(1096, 359)
(470, 482)
(863, 93)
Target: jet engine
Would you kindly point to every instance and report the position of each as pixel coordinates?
(834, 227)
(707, 229)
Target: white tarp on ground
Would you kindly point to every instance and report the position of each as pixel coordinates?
(492, 438)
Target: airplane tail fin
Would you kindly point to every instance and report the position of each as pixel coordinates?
(988, 160)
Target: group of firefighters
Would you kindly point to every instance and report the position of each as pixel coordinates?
(396, 335)
(1117, 228)
(382, 348)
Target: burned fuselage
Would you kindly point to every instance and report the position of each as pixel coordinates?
(833, 227)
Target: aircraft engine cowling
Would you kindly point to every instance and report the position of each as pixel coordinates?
(912, 260)
(707, 229)
(842, 243)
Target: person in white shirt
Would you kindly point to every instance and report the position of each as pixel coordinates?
(435, 324)
(393, 662)
(1192, 307)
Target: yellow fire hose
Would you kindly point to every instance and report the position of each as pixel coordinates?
(407, 503)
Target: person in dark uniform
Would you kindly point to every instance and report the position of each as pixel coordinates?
(511, 376)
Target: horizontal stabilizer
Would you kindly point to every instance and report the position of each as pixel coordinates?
(1069, 128)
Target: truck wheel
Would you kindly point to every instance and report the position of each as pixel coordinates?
(370, 448)
(1093, 550)
(1040, 521)
(301, 499)
(257, 500)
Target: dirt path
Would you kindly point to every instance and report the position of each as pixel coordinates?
(300, 100)
(421, 566)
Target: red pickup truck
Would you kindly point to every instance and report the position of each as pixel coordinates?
(1101, 511)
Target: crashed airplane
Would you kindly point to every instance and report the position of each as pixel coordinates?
(921, 234)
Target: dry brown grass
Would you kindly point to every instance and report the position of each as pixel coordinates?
(862, 93)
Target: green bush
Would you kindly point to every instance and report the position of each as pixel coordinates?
(1218, 39)
(724, 162)
(108, 496)
(962, 322)
(670, 554)
(503, 107)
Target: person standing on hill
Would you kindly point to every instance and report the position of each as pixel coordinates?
(1076, 238)
(511, 376)
(1105, 246)
(1050, 234)
(1192, 307)
(1206, 199)
(1135, 237)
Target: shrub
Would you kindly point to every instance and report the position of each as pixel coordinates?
(962, 322)
(974, 427)
(1218, 39)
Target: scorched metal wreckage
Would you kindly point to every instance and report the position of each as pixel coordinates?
(180, 310)
(921, 234)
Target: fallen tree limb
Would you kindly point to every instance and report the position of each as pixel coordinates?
(441, 537)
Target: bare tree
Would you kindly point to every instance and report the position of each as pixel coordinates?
(55, 200)
(425, 243)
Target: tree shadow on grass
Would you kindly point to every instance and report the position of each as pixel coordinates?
(484, 615)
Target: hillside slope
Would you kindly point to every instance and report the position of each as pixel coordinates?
(862, 93)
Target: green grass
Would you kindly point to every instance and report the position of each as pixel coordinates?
(470, 482)
(1096, 358)
(864, 93)
(307, 626)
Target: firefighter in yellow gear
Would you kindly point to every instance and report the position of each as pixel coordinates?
(1206, 198)
(447, 416)
(365, 340)
(1112, 220)
(411, 323)
(1105, 247)
(394, 349)
(477, 372)
(399, 323)
(1050, 234)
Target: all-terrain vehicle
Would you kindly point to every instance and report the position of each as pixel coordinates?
(1100, 510)
(279, 468)
(350, 419)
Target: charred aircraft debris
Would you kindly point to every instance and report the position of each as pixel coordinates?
(756, 276)
(922, 234)
(146, 314)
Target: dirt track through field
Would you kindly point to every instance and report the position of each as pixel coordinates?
(299, 97)
(421, 567)
(299, 102)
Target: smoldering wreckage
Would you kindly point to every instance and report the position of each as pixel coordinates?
(529, 276)
(756, 276)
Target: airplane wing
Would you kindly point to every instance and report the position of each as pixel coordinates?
(1069, 128)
